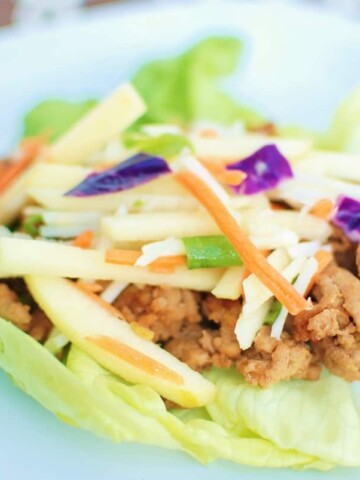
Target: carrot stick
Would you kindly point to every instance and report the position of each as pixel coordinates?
(84, 240)
(29, 150)
(122, 257)
(169, 261)
(209, 133)
(229, 177)
(252, 257)
(323, 258)
(323, 208)
(160, 265)
(136, 358)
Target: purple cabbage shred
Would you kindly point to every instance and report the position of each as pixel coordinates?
(134, 171)
(265, 169)
(347, 217)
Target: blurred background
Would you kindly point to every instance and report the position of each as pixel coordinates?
(28, 12)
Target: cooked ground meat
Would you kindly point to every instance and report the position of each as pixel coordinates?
(209, 340)
(27, 317)
(163, 310)
(344, 250)
(333, 325)
(270, 360)
(12, 309)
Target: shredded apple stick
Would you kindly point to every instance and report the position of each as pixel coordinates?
(252, 257)
(107, 306)
(29, 150)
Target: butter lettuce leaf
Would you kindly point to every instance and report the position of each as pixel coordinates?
(343, 135)
(52, 118)
(85, 395)
(186, 88)
(344, 132)
(319, 418)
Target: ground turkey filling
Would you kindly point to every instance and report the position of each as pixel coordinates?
(198, 328)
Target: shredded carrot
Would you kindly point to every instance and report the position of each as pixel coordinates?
(323, 258)
(169, 261)
(103, 303)
(122, 257)
(252, 257)
(84, 240)
(209, 133)
(266, 129)
(228, 177)
(135, 358)
(160, 269)
(91, 287)
(105, 166)
(323, 208)
(29, 150)
(231, 177)
(160, 265)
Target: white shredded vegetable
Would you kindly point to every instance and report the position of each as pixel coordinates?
(112, 291)
(152, 251)
(56, 341)
(63, 231)
(307, 249)
(301, 285)
(191, 164)
(250, 322)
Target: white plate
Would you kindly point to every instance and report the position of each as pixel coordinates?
(299, 64)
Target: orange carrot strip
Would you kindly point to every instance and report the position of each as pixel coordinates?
(104, 304)
(209, 133)
(128, 257)
(84, 240)
(167, 264)
(252, 257)
(29, 150)
(132, 356)
(122, 257)
(160, 269)
(169, 261)
(323, 258)
(229, 177)
(91, 287)
(323, 208)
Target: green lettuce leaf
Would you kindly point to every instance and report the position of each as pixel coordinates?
(186, 88)
(167, 145)
(344, 132)
(318, 418)
(53, 117)
(85, 395)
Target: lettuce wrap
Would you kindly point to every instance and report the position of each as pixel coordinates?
(296, 423)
